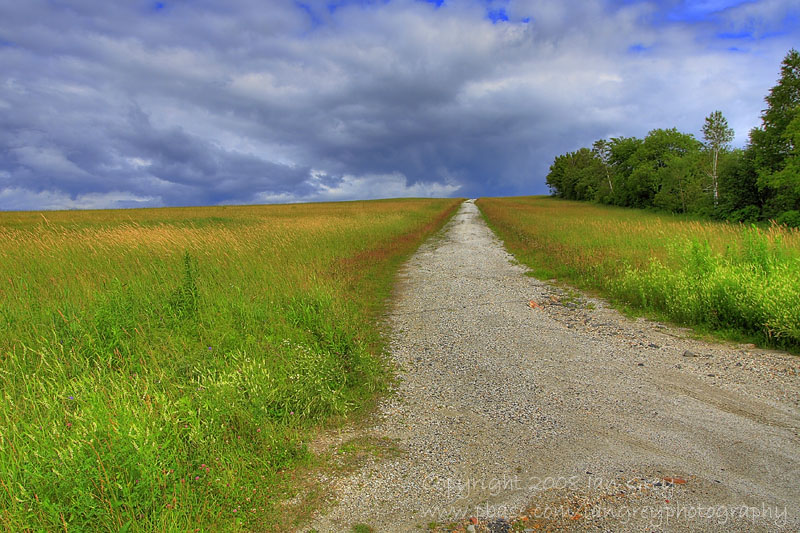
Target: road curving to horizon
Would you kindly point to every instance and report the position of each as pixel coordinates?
(518, 402)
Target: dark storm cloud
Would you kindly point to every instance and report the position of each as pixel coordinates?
(106, 104)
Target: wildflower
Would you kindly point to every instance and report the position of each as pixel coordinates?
(209, 348)
(202, 466)
(196, 478)
(72, 397)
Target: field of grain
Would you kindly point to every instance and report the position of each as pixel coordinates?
(160, 369)
(740, 281)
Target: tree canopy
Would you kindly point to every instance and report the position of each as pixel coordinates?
(676, 172)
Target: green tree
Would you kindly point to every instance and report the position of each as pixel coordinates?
(740, 198)
(559, 179)
(621, 154)
(788, 178)
(773, 151)
(718, 136)
(575, 175)
(653, 161)
(602, 151)
(681, 185)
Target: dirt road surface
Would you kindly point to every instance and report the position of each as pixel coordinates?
(520, 404)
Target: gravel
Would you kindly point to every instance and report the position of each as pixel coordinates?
(521, 403)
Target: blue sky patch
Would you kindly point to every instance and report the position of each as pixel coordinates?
(315, 20)
(334, 5)
(497, 15)
(738, 35)
(692, 11)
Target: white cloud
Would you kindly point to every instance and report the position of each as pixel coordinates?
(19, 199)
(384, 186)
(47, 160)
(366, 187)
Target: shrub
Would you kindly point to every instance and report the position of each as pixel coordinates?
(790, 219)
(748, 214)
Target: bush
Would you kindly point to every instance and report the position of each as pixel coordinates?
(746, 214)
(790, 219)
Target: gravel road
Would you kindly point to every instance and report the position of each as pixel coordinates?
(519, 404)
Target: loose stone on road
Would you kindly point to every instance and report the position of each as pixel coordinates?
(518, 402)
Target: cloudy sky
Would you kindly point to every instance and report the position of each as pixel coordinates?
(187, 102)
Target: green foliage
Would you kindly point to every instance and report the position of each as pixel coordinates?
(789, 218)
(655, 162)
(718, 136)
(575, 174)
(631, 172)
(602, 150)
(754, 291)
(716, 132)
(774, 144)
(681, 185)
(786, 181)
(748, 214)
(740, 199)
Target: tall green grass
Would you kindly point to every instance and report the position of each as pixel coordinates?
(161, 369)
(729, 278)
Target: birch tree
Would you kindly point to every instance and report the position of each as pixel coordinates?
(602, 149)
(718, 136)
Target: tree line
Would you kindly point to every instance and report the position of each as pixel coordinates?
(676, 172)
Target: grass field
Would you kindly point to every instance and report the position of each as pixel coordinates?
(160, 369)
(739, 281)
